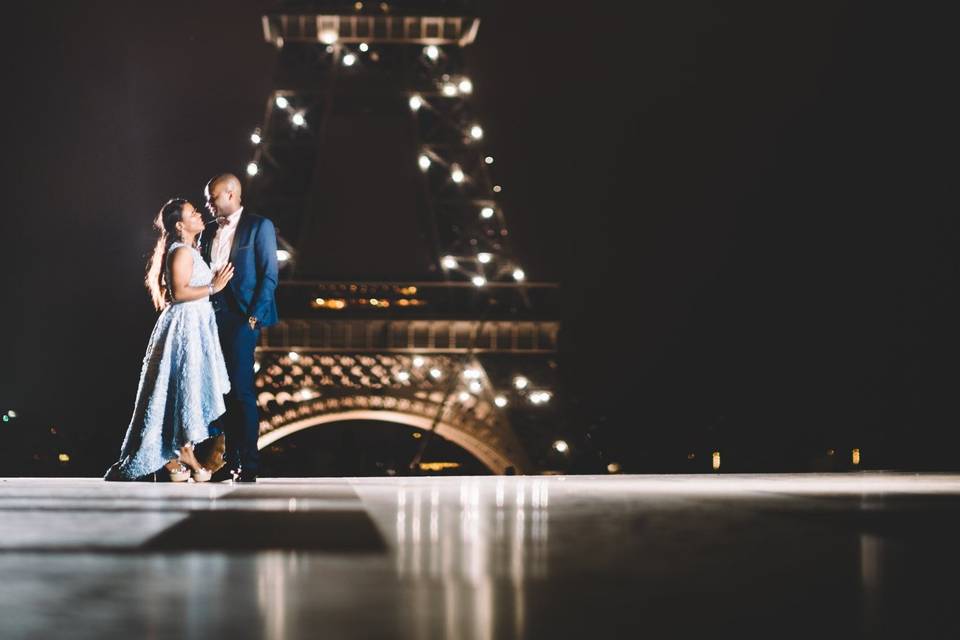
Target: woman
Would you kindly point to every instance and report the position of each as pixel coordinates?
(184, 378)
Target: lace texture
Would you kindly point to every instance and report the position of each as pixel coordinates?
(182, 382)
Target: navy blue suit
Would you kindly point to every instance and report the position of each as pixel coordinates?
(249, 293)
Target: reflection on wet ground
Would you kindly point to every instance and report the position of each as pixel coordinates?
(862, 555)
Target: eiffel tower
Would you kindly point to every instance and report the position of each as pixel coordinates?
(401, 298)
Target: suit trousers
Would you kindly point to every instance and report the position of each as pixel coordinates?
(241, 423)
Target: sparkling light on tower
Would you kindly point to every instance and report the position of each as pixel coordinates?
(468, 252)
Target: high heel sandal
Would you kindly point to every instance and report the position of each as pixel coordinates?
(180, 474)
(199, 474)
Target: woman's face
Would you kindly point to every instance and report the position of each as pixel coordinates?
(190, 221)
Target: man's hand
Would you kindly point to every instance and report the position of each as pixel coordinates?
(253, 322)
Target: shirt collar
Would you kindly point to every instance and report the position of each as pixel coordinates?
(234, 217)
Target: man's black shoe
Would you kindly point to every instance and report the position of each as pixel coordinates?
(224, 474)
(246, 476)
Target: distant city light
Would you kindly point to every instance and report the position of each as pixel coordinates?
(561, 446)
(479, 281)
(716, 460)
(488, 159)
(364, 47)
(497, 188)
(486, 213)
(476, 387)
(484, 258)
(456, 173)
(298, 119)
(449, 262)
(432, 52)
(520, 382)
(466, 86)
(476, 132)
(435, 373)
(613, 467)
(12, 413)
(855, 456)
(255, 137)
(424, 162)
(449, 89)
(403, 376)
(252, 169)
(294, 356)
(464, 396)
(63, 457)
(540, 397)
(519, 275)
(349, 59)
(472, 374)
(500, 401)
(283, 255)
(416, 102)
(418, 362)
(282, 102)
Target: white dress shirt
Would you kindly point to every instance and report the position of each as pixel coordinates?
(223, 241)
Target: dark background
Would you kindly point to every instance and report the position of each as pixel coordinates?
(747, 205)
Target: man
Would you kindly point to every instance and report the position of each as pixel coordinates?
(246, 305)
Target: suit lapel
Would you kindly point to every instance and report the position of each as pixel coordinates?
(243, 228)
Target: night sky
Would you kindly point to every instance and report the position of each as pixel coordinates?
(746, 205)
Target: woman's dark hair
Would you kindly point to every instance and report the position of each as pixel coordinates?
(166, 223)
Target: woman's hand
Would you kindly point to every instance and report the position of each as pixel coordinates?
(222, 277)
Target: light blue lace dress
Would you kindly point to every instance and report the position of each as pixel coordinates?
(182, 383)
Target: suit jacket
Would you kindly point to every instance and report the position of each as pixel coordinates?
(254, 257)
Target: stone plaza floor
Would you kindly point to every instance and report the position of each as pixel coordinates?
(837, 555)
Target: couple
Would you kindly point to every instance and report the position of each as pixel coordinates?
(197, 375)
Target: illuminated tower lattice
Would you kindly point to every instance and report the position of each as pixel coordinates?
(401, 298)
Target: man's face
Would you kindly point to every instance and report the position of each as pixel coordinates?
(218, 199)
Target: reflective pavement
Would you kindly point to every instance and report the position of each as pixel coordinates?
(845, 555)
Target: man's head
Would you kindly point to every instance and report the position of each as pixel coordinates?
(223, 194)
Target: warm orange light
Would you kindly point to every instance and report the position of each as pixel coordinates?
(63, 457)
(716, 460)
(855, 456)
(328, 303)
(438, 466)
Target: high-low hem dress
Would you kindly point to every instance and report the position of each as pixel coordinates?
(182, 383)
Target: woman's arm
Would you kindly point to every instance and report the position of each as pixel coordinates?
(181, 269)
